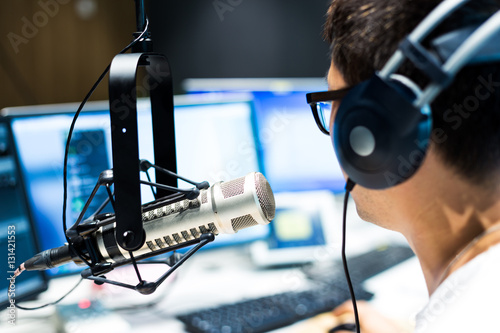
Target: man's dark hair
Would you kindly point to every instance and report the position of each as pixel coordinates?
(363, 34)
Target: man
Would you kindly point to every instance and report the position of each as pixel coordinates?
(449, 210)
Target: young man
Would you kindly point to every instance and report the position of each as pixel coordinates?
(449, 210)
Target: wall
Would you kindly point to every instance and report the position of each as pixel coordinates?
(241, 38)
(52, 51)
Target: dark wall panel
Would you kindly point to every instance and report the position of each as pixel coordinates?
(240, 38)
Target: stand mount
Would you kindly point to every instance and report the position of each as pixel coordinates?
(124, 132)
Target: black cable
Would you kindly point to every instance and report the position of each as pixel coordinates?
(52, 303)
(348, 188)
(70, 133)
(343, 327)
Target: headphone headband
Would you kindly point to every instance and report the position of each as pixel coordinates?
(430, 22)
(469, 46)
(464, 55)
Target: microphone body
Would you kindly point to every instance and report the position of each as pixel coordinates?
(225, 207)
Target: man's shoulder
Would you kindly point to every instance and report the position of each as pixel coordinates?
(468, 300)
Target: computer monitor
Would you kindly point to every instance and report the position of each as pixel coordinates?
(17, 235)
(299, 163)
(305, 229)
(296, 156)
(214, 141)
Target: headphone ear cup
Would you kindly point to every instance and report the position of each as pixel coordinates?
(380, 138)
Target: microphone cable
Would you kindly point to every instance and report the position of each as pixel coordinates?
(348, 188)
(70, 134)
(51, 303)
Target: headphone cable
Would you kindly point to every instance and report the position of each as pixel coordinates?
(348, 188)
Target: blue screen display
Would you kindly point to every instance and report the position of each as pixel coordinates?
(296, 155)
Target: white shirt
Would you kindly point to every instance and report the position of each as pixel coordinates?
(468, 300)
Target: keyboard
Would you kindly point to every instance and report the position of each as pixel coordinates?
(270, 312)
(371, 263)
(363, 266)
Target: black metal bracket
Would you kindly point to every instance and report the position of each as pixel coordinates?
(124, 135)
(81, 230)
(145, 287)
(425, 61)
(78, 234)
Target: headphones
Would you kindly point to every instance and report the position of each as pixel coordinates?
(383, 125)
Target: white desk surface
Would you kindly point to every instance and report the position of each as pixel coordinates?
(207, 279)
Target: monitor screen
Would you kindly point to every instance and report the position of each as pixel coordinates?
(296, 156)
(214, 141)
(304, 230)
(17, 236)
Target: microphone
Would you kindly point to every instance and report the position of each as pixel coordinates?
(225, 207)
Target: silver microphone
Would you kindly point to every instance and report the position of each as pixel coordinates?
(225, 207)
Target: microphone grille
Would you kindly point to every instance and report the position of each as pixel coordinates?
(233, 188)
(243, 222)
(265, 196)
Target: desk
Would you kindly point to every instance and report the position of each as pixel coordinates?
(209, 278)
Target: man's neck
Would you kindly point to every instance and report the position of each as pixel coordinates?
(444, 216)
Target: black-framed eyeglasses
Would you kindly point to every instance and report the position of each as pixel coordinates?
(321, 106)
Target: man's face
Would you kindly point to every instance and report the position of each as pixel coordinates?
(372, 205)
